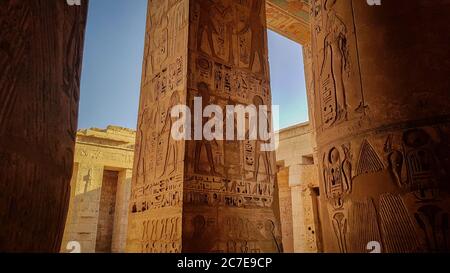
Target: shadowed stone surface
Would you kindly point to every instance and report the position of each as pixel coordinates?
(101, 185)
(41, 46)
(381, 90)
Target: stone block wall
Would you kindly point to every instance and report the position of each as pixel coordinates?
(298, 182)
(102, 175)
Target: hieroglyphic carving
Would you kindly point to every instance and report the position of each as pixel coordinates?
(158, 181)
(204, 190)
(161, 235)
(171, 153)
(256, 26)
(228, 66)
(161, 193)
(337, 175)
(422, 165)
(336, 62)
(369, 101)
(413, 216)
(231, 234)
(340, 228)
(193, 177)
(204, 92)
(206, 24)
(368, 161)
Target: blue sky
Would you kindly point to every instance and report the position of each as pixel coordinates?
(113, 58)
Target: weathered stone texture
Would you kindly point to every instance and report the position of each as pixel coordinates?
(41, 44)
(101, 183)
(202, 196)
(297, 183)
(382, 120)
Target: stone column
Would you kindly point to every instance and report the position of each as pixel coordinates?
(119, 239)
(41, 45)
(202, 196)
(382, 94)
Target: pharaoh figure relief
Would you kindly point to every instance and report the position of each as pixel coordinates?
(201, 185)
(335, 63)
(339, 92)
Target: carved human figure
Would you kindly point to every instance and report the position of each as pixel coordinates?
(232, 149)
(146, 134)
(230, 25)
(199, 144)
(159, 31)
(205, 23)
(171, 143)
(226, 15)
(258, 32)
(260, 155)
(335, 61)
(141, 160)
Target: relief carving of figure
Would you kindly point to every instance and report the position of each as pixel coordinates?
(335, 62)
(199, 144)
(159, 31)
(147, 135)
(205, 23)
(258, 32)
(265, 156)
(172, 151)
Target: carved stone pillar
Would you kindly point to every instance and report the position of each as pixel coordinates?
(202, 196)
(382, 94)
(41, 46)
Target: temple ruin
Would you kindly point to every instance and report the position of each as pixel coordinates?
(376, 168)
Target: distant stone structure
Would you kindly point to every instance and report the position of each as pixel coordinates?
(298, 187)
(100, 190)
